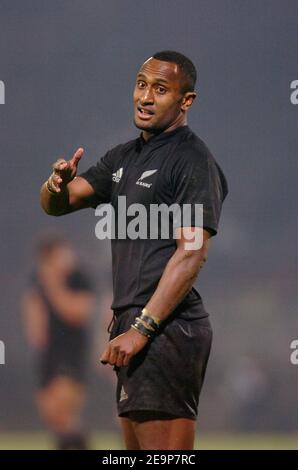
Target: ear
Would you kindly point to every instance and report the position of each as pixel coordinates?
(188, 100)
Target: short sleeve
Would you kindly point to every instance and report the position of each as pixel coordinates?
(99, 176)
(198, 179)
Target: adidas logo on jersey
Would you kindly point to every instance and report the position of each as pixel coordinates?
(144, 175)
(117, 176)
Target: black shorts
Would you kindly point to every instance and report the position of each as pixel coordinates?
(168, 374)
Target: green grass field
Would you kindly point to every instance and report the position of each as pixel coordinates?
(104, 441)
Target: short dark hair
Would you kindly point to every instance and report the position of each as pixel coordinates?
(185, 65)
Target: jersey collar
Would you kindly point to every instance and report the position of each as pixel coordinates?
(163, 137)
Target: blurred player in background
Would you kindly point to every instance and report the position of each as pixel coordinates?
(57, 307)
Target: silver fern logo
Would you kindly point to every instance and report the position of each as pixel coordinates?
(144, 175)
(2, 92)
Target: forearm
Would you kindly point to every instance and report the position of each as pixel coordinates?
(54, 203)
(176, 281)
(73, 307)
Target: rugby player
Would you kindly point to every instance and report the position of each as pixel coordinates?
(161, 336)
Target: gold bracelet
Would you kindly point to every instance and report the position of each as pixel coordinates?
(49, 187)
(145, 311)
(145, 324)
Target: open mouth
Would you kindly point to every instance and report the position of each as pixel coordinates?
(144, 113)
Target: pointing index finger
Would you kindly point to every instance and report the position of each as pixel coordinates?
(77, 156)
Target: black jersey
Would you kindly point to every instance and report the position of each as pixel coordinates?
(172, 167)
(62, 335)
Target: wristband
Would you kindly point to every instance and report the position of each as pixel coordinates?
(145, 324)
(149, 321)
(146, 312)
(142, 330)
(49, 187)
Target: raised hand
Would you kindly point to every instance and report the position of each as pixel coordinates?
(64, 171)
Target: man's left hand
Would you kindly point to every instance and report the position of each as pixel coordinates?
(122, 348)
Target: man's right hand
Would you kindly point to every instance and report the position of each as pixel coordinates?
(64, 171)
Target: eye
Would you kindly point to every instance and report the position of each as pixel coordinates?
(161, 90)
(141, 84)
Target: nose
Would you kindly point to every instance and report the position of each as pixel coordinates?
(146, 97)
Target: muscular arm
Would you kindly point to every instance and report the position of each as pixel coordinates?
(78, 194)
(179, 275)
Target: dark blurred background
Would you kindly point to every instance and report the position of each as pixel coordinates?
(69, 69)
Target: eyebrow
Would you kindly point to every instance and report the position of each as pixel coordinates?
(163, 80)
